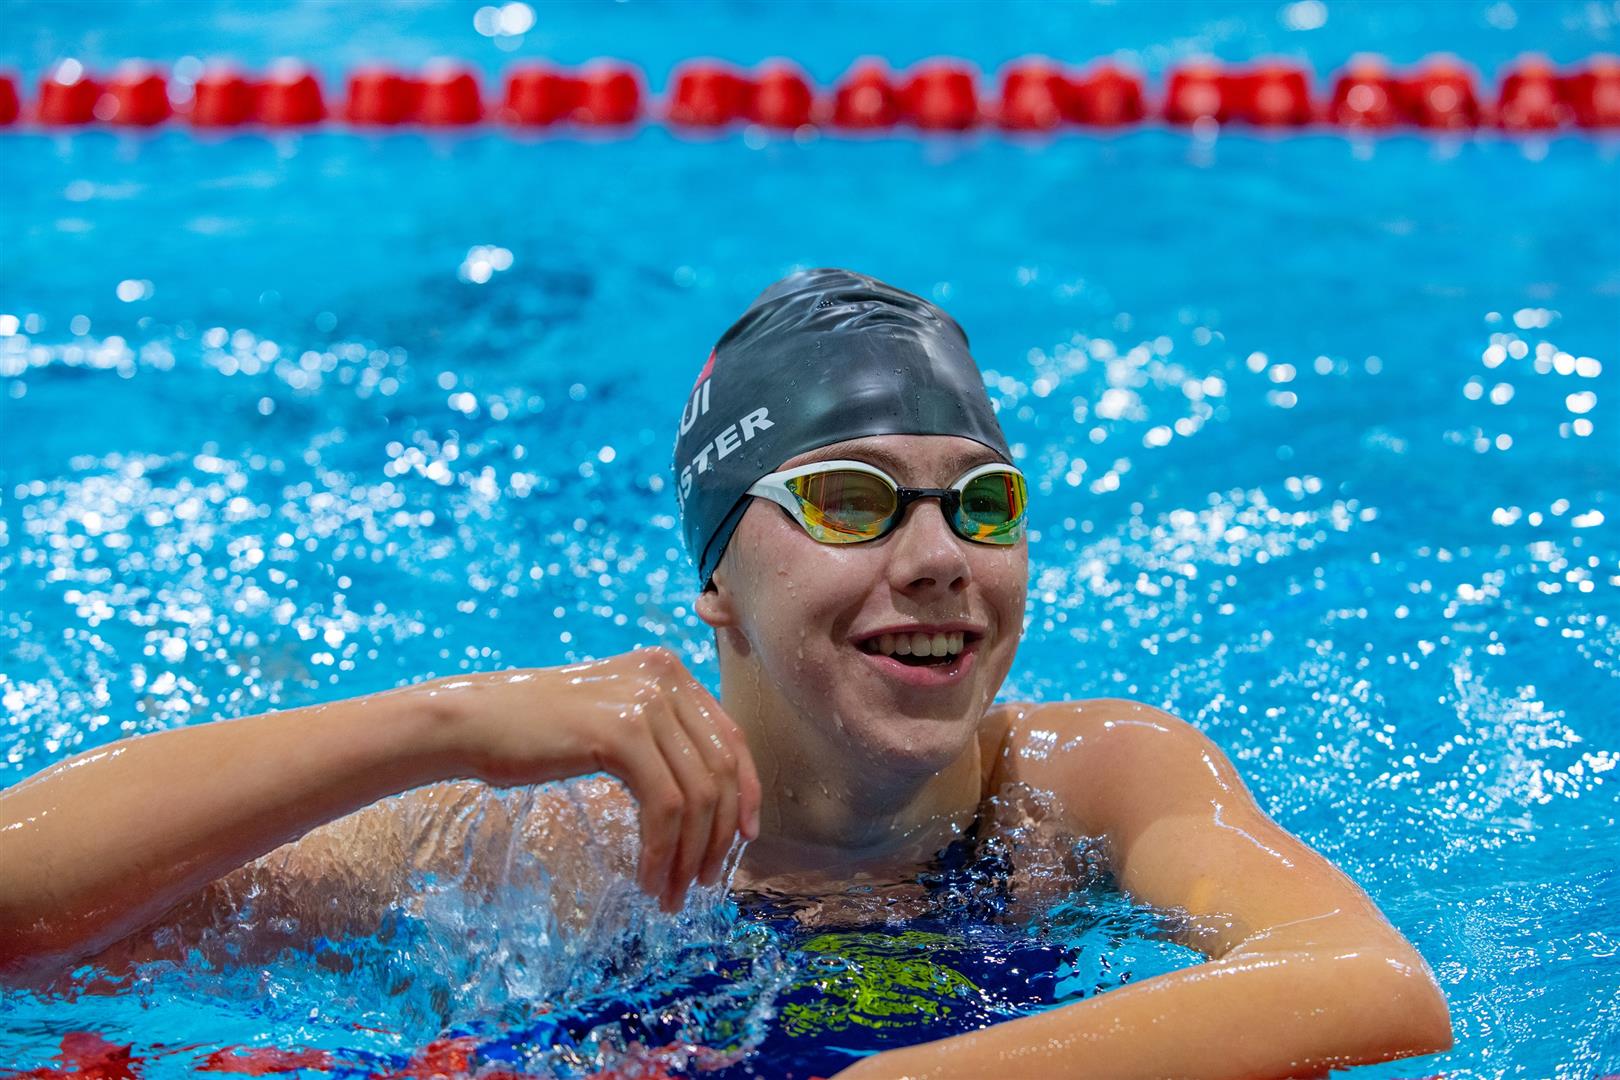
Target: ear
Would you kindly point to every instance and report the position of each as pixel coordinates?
(715, 604)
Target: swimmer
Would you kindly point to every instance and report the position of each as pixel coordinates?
(859, 530)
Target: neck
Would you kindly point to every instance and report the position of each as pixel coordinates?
(828, 811)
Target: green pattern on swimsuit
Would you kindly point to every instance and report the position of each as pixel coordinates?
(874, 980)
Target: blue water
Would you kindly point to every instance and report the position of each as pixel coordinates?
(1323, 438)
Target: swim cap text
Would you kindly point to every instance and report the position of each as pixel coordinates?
(726, 442)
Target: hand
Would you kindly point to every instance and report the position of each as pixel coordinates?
(641, 717)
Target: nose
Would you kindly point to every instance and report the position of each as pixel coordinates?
(926, 556)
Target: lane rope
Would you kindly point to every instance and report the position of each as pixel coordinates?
(1034, 94)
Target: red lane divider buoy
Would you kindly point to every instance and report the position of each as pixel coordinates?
(67, 95)
(222, 97)
(781, 97)
(289, 96)
(602, 94)
(1035, 96)
(449, 97)
(1196, 91)
(10, 104)
(610, 94)
(1440, 94)
(1366, 95)
(1593, 93)
(708, 94)
(380, 96)
(539, 94)
(1531, 97)
(1107, 96)
(866, 98)
(1272, 94)
(136, 96)
(940, 95)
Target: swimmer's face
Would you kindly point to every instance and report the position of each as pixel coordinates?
(796, 615)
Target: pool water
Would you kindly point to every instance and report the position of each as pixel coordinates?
(1324, 454)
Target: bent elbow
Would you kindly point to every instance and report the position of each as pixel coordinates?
(1419, 1018)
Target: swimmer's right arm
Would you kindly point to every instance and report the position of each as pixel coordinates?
(98, 846)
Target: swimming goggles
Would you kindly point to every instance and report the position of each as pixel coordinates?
(849, 502)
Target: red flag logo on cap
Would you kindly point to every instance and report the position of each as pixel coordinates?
(708, 369)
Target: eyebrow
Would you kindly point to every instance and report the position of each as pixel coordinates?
(955, 465)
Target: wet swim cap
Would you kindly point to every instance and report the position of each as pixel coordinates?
(819, 357)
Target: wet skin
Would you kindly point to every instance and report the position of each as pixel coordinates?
(865, 766)
(863, 758)
(862, 766)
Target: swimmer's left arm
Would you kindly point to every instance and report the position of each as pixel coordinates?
(1305, 972)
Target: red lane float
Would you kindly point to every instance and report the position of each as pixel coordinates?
(450, 97)
(1531, 97)
(1440, 95)
(1034, 96)
(1366, 94)
(1270, 94)
(381, 97)
(1107, 96)
(222, 97)
(67, 96)
(866, 98)
(289, 96)
(136, 96)
(610, 94)
(1593, 93)
(708, 94)
(602, 94)
(1196, 92)
(781, 97)
(940, 94)
(537, 94)
(10, 104)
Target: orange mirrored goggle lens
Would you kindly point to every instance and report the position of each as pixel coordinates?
(844, 507)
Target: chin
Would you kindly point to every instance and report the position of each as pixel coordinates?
(912, 746)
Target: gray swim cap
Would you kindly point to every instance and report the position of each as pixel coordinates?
(819, 357)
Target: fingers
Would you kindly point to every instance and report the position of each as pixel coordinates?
(639, 762)
(700, 791)
(689, 767)
(721, 762)
(749, 795)
(738, 764)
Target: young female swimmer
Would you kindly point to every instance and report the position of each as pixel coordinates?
(858, 527)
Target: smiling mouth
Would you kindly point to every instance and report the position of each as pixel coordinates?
(920, 650)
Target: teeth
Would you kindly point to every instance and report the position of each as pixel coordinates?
(915, 644)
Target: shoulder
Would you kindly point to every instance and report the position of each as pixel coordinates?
(1096, 753)
(1033, 731)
